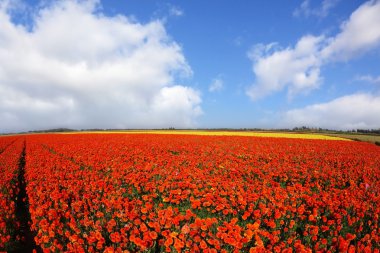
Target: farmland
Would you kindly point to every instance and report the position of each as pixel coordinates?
(120, 192)
(313, 136)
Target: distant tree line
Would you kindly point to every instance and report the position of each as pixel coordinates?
(54, 130)
(295, 129)
(367, 131)
(315, 129)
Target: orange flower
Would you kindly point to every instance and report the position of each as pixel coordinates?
(115, 237)
(203, 245)
(168, 242)
(153, 235)
(185, 229)
(143, 227)
(178, 245)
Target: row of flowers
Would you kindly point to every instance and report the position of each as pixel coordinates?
(10, 152)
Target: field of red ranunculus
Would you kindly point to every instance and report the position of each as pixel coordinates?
(188, 193)
(10, 151)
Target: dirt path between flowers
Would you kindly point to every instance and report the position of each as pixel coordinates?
(24, 241)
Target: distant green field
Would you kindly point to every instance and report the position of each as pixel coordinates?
(359, 137)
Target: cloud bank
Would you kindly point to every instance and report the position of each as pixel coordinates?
(357, 111)
(297, 68)
(76, 67)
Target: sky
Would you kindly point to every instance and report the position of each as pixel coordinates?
(189, 64)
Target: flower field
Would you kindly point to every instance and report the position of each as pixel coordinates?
(192, 193)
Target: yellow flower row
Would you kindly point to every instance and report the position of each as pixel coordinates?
(227, 133)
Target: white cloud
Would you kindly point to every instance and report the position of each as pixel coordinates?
(260, 50)
(216, 85)
(77, 67)
(174, 104)
(360, 33)
(175, 11)
(298, 68)
(322, 11)
(347, 112)
(369, 78)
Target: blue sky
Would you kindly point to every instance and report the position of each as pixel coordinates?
(207, 64)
